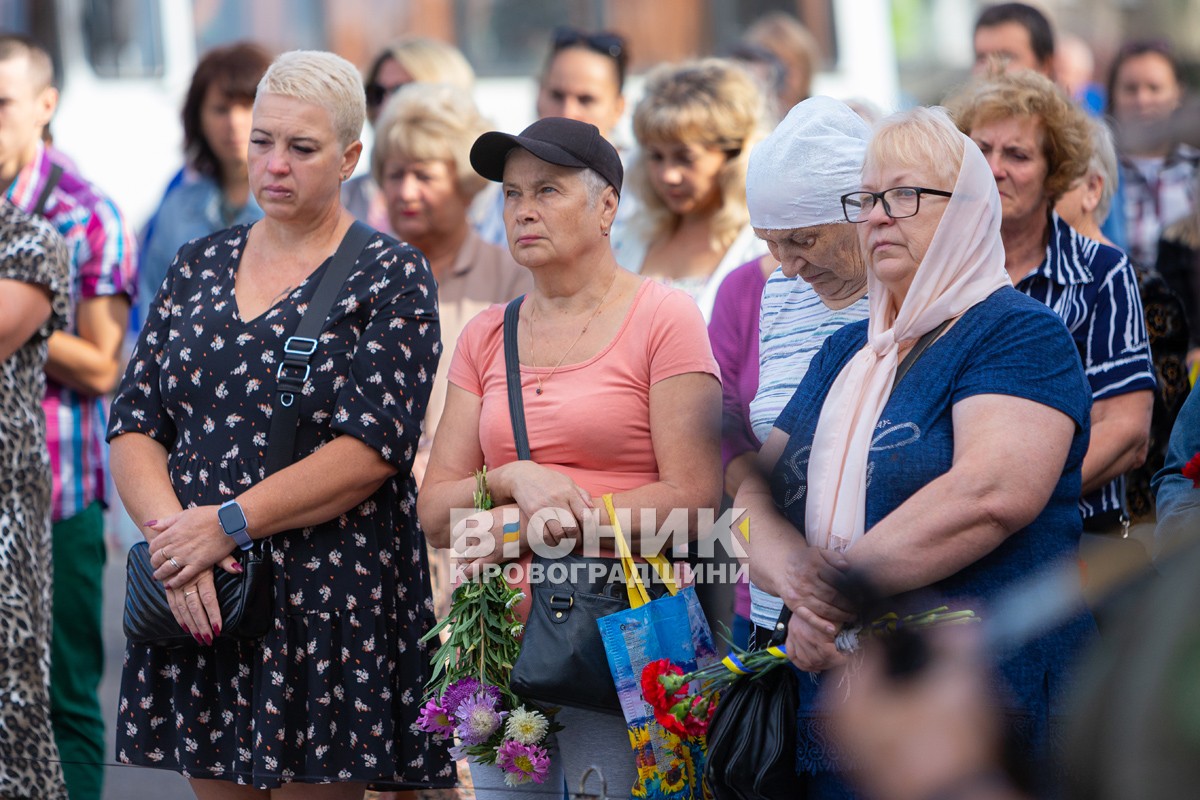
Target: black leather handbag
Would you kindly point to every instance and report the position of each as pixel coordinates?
(246, 599)
(562, 659)
(752, 735)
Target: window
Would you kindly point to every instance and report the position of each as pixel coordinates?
(123, 38)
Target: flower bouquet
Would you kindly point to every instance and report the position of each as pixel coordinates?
(467, 698)
(684, 702)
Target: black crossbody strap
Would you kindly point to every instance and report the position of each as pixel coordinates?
(512, 370)
(299, 348)
(920, 347)
(56, 173)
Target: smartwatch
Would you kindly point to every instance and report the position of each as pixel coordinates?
(233, 522)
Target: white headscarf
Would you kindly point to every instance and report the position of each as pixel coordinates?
(964, 264)
(798, 174)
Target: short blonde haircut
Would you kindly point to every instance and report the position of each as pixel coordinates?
(920, 139)
(1066, 134)
(431, 122)
(712, 102)
(430, 61)
(323, 79)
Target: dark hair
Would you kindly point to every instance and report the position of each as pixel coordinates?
(1159, 47)
(605, 43)
(235, 70)
(1041, 35)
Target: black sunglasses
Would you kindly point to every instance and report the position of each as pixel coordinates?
(604, 43)
(377, 92)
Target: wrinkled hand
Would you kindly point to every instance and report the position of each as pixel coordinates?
(189, 544)
(804, 577)
(810, 641)
(537, 490)
(915, 736)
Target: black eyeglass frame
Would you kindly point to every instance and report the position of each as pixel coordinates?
(887, 209)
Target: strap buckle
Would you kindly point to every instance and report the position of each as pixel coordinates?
(280, 377)
(300, 346)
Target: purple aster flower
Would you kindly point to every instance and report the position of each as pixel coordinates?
(478, 718)
(522, 763)
(457, 692)
(434, 719)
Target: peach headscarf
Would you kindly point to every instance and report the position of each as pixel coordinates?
(964, 264)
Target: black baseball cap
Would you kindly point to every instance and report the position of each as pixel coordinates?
(556, 140)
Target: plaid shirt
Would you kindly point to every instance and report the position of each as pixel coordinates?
(1094, 289)
(1156, 193)
(103, 263)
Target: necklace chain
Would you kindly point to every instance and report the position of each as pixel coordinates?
(533, 339)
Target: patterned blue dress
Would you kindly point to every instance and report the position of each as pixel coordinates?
(1009, 344)
(331, 692)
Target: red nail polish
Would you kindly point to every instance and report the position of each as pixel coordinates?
(196, 636)
(186, 629)
(238, 568)
(151, 523)
(216, 631)
(208, 638)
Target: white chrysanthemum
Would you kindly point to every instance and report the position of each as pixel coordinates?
(525, 726)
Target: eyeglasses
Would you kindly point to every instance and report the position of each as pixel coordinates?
(899, 202)
(604, 43)
(377, 93)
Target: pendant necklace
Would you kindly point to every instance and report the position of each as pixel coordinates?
(532, 339)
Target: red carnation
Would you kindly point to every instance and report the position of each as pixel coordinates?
(654, 689)
(1191, 471)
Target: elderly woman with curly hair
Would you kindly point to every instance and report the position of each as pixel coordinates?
(1038, 144)
(695, 125)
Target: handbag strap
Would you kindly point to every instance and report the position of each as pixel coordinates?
(634, 585)
(300, 347)
(512, 370)
(920, 347)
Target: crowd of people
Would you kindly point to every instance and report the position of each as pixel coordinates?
(946, 349)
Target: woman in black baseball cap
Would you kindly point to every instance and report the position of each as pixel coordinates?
(620, 395)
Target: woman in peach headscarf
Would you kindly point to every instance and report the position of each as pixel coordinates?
(961, 475)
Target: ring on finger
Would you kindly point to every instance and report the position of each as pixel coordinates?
(188, 594)
(176, 563)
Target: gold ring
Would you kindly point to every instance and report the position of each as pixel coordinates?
(176, 563)
(186, 594)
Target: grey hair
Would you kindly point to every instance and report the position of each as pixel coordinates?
(1104, 164)
(595, 184)
(324, 79)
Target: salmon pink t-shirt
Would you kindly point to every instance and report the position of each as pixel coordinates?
(592, 420)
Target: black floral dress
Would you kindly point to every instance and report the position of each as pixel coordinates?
(32, 252)
(332, 691)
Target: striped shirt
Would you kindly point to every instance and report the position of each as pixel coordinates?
(793, 325)
(1094, 290)
(103, 263)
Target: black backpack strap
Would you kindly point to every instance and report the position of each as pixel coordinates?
(56, 173)
(512, 369)
(300, 347)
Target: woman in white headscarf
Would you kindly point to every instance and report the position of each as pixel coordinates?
(961, 477)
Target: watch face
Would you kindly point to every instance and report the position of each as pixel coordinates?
(231, 518)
